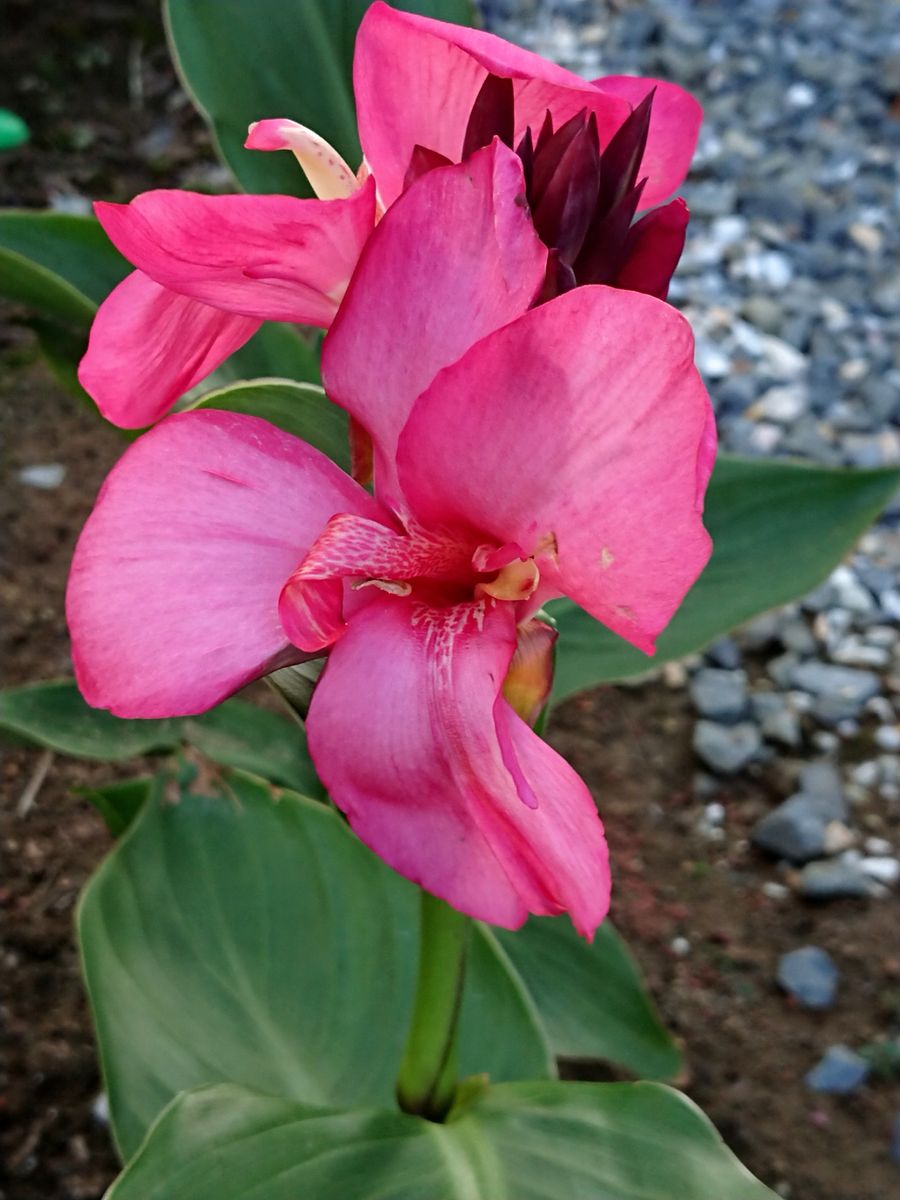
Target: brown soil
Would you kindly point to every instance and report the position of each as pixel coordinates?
(747, 1046)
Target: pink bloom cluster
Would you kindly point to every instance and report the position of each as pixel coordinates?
(523, 451)
(211, 269)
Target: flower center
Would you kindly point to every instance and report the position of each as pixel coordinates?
(582, 199)
(353, 554)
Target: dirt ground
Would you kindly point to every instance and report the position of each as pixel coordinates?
(748, 1047)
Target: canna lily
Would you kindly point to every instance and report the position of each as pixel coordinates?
(210, 269)
(521, 454)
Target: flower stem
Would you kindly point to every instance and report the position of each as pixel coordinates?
(427, 1080)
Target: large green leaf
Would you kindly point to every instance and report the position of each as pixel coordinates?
(62, 267)
(119, 803)
(59, 265)
(275, 350)
(591, 998)
(240, 939)
(244, 61)
(778, 528)
(636, 1141)
(301, 408)
(236, 734)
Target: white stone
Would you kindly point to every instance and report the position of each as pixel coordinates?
(45, 476)
(884, 869)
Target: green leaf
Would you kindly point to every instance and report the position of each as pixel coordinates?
(778, 528)
(277, 350)
(62, 267)
(592, 1000)
(236, 734)
(238, 939)
(55, 716)
(243, 62)
(59, 265)
(119, 803)
(301, 408)
(241, 735)
(631, 1141)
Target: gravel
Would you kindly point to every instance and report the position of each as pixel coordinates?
(790, 279)
(839, 1072)
(809, 975)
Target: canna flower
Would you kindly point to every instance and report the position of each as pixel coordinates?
(521, 454)
(210, 269)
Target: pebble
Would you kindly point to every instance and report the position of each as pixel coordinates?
(45, 476)
(883, 868)
(825, 679)
(877, 846)
(795, 830)
(809, 975)
(719, 694)
(839, 1072)
(726, 748)
(725, 653)
(835, 878)
(887, 737)
(775, 890)
(822, 780)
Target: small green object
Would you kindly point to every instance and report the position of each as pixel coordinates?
(13, 130)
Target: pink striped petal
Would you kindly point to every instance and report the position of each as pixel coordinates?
(416, 80)
(674, 128)
(271, 257)
(586, 440)
(148, 346)
(444, 781)
(453, 259)
(173, 594)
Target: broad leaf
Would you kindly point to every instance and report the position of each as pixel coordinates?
(275, 350)
(238, 939)
(119, 803)
(778, 528)
(55, 716)
(301, 408)
(59, 265)
(242, 62)
(236, 734)
(631, 1141)
(591, 998)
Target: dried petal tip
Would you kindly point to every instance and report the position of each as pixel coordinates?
(329, 176)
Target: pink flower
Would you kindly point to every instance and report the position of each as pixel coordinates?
(212, 268)
(521, 454)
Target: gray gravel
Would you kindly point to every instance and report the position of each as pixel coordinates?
(809, 975)
(791, 281)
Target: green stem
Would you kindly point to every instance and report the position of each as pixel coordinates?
(427, 1079)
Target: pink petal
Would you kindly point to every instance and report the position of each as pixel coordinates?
(173, 594)
(416, 80)
(586, 428)
(271, 257)
(674, 128)
(654, 246)
(444, 782)
(148, 346)
(455, 258)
